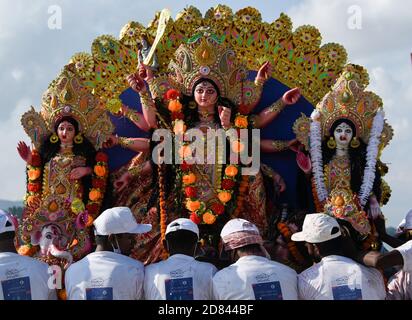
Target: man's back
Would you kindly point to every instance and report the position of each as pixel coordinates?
(340, 278)
(180, 277)
(255, 277)
(24, 278)
(105, 275)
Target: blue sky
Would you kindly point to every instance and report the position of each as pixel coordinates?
(31, 55)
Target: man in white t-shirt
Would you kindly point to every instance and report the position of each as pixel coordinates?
(335, 277)
(252, 276)
(180, 277)
(21, 278)
(108, 273)
(400, 285)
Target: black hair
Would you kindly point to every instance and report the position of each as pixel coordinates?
(330, 247)
(250, 248)
(101, 240)
(85, 149)
(357, 157)
(9, 235)
(181, 240)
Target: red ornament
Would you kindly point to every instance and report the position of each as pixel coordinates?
(218, 208)
(101, 157)
(172, 94)
(178, 116)
(185, 166)
(243, 109)
(92, 208)
(34, 187)
(190, 192)
(35, 159)
(227, 184)
(195, 218)
(99, 183)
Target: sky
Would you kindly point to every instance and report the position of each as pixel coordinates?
(375, 33)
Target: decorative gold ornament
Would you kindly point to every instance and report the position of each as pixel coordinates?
(331, 143)
(54, 138)
(68, 96)
(355, 143)
(78, 139)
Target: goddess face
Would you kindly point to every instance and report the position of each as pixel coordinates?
(343, 135)
(66, 132)
(205, 95)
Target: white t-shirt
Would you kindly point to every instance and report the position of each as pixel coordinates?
(400, 286)
(105, 275)
(180, 277)
(255, 278)
(340, 278)
(406, 252)
(24, 278)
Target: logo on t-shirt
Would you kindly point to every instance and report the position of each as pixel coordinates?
(99, 293)
(347, 288)
(16, 289)
(267, 291)
(179, 289)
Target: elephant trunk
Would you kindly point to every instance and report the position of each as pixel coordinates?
(55, 252)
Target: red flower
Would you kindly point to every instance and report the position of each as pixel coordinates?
(101, 157)
(218, 208)
(185, 166)
(195, 218)
(35, 159)
(190, 192)
(172, 94)
(243, 109)
(34, 187)
(99, 183)
(178, 116)
(92, 209)
(227, 184)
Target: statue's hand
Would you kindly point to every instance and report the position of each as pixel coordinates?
(24, 151)
(111, 142)
(136, 83)
(279, 180)
(292, 96)
(374, 208)
(80, 172)
(264, 72)
(123, 181)
(145, 72)
(224, 115)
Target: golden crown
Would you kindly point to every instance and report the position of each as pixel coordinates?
(204, 56)
(67, 96)
(347, 100)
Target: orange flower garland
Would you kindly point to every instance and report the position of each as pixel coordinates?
(199, 212)
(287, 234)
(34, 183)
(99, 181)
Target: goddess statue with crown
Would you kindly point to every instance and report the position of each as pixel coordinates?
(204, 91)
(345, 137)
(66, 176)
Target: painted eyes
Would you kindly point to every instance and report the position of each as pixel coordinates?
(208, 91)
(66, 128)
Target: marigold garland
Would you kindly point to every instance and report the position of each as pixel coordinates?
(287, 234)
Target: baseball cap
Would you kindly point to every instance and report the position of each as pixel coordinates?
(182, 224)
(406, 223)
(118, 220)
(238, 225)
(317, 228)
(6, 222)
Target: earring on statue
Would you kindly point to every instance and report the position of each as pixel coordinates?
(192, 105)
(54, 138)
(331, 143)
(78, 139)
(355, 143)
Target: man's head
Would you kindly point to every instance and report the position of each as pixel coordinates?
(405, 227)
(181, 237)
(7, 231)
(118, 227)
(241, 237)
(322, 233)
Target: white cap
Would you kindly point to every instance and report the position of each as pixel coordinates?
(238, 225)
(317, 228)
(118, 220)
(406, 223)
(182, 224)
(4, 218)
